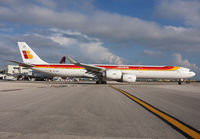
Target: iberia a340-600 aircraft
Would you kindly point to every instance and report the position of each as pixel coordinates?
(121, 73)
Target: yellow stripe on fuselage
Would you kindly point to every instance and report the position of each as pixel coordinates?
(175, 68)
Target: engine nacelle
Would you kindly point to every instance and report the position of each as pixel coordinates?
(113, 74)
(128, 78)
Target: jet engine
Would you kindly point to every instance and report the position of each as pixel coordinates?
(113, 74)
(118, 76)
(128, 78)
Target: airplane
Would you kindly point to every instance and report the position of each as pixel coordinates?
(102, 72)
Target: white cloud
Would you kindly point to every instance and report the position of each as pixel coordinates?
(52, 44)
(63, 41)
(184, 62)
(88, 47)
(111, 27)
(97, 52)
(187, 10)
(175, 29)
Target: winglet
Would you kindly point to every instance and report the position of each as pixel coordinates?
(71, 60)
(62, 61)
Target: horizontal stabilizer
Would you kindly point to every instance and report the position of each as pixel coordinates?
(22, 64)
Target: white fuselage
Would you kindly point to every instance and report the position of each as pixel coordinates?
(180, 73)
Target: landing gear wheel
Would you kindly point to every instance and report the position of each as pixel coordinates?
(179, 82)
(101, 82)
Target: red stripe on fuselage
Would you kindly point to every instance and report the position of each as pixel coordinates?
(108, 67)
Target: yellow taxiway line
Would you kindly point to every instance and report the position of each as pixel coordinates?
(181, 127)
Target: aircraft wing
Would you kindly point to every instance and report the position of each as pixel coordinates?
(22, 64)
(88, 67)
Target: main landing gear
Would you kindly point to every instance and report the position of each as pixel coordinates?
(101, 82)
(180, 81)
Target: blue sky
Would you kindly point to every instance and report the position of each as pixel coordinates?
(153, 32)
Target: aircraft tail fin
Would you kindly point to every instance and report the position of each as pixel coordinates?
(62, 61)
(28, 55)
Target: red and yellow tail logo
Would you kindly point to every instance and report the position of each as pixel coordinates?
(27, 54)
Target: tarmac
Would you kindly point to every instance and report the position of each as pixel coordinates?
(86, 110)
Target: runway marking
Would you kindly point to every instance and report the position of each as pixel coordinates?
(180, 126)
